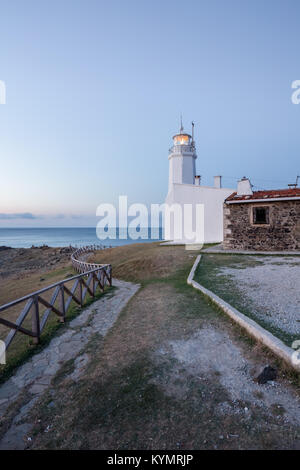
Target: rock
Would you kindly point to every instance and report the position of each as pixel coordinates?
(66, 250)
(14, 438)
(3, 248)
(37, 389)
(268, 373)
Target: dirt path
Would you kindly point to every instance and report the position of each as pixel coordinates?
(20, 393)
(172, 373)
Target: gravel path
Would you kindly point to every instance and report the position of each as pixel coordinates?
(273, 288)
(36, 375)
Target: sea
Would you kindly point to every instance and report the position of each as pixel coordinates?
(77, 237)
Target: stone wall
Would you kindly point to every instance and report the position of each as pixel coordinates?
(281, 233)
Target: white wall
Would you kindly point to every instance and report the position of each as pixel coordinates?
(212, 198)
(182, 166)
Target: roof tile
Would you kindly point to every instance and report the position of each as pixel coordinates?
(270, 194)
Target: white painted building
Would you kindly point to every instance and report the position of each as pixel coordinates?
(185, 188)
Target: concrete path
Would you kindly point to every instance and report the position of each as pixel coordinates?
(35, 376)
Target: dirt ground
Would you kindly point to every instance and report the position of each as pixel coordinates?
(172, 373)
(23, 271)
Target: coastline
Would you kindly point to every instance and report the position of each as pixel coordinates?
(75, 236)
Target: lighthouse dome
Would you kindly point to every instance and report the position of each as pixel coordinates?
(182, 139)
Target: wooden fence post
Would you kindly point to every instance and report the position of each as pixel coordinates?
(80, 292)
(98, 274)
(62, 304)
(36, 320)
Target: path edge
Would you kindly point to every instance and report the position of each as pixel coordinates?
(254, 329)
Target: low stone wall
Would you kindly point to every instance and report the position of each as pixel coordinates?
(281, 233)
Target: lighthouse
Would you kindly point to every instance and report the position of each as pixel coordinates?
(186, 189)
(182, 159)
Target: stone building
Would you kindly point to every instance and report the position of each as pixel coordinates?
(262, 220)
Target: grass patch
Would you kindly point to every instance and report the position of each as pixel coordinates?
(208, 275)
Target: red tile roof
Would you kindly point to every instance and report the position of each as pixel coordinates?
(271, 194)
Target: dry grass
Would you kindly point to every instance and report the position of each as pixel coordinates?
(142, 262)
(133, 396)
(23, 271)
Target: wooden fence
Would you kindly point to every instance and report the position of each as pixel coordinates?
(81, 265)
(93, 276)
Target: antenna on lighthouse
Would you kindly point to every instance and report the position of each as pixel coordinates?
(193, 125)
(181, 125)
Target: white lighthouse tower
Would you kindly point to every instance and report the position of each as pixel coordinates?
(182, 159)
(185, 188)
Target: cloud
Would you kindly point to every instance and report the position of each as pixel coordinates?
(74, 216)
(20, 215)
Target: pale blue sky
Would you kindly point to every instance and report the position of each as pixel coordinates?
(95, 90)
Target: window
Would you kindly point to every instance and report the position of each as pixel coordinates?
(260, 215)
(182, 139)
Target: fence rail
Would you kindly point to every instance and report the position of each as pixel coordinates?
(81, 265)
(90, 278)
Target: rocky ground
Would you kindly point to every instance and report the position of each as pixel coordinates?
(15, 262)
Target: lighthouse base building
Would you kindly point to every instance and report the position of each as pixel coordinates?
(187, 196)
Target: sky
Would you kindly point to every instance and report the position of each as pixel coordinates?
(94, 92)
